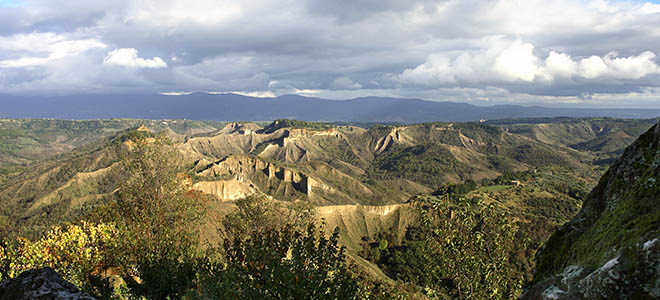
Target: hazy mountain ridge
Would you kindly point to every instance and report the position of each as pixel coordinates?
(233, 107)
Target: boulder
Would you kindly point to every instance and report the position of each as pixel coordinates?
(40, 284)
(632, 274)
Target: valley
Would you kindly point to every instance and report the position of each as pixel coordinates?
(373, 182)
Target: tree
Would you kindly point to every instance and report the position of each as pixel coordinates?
(283, 264)
(257, 213)
(75, 251)
(477, 246)
(471, 251)
(274, 251)
(159, 215)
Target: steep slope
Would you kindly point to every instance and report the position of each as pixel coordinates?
(358, 221)
(384, 164)
(611, 249)
(389, 163)
(53, 190)
(237, 176)
(66, 186)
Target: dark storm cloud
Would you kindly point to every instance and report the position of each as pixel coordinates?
(356, 10)
(445, 50)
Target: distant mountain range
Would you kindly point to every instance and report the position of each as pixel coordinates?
(234, 107)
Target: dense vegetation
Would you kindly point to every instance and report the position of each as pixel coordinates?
(461, 249)
(424, 164)
(621, 212)
(528, 206)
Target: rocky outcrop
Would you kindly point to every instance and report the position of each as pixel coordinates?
(239, 128)
(41, 284)
(396, 136)
(358, 221)
(611, 249)
(226, 190)
(634, 274)
(315, 182)
(266, 175)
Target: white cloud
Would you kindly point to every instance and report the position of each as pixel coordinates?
(23, 62)
(452, 49)
(517, 63)
(35, 49)
(175, 93)
(258, 94)
(559, 65)
(592, 67)
(128, 57)
(436, 70)
(306, 92)
(633, 67)
(174, 14)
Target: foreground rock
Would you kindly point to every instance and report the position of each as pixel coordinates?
(629, 275)
(41, 284)
(611, 249)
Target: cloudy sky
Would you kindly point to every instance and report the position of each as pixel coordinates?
(567, 52)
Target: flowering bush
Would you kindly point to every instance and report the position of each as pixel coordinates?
(74, 251)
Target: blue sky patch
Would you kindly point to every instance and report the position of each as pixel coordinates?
(10, 3)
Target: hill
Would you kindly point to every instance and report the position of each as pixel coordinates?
(610, 248)
(322, 163)
(23, 141)
(605, 137)
(362, 180)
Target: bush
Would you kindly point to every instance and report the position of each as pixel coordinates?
(472, 252)
(257, 213)
(283, 264)
(76, 252)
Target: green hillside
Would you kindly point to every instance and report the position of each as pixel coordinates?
(23, 141)
(611, 243)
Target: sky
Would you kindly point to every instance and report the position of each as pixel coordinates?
(553, 53)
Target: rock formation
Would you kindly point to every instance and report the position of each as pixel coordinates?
(40, 284)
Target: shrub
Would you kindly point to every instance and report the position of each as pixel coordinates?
(76, 252)
(283, 264)
(472, 252)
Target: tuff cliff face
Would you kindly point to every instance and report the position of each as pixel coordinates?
(226, 190)
(246, 175)
(248, 168)
(611, 249)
